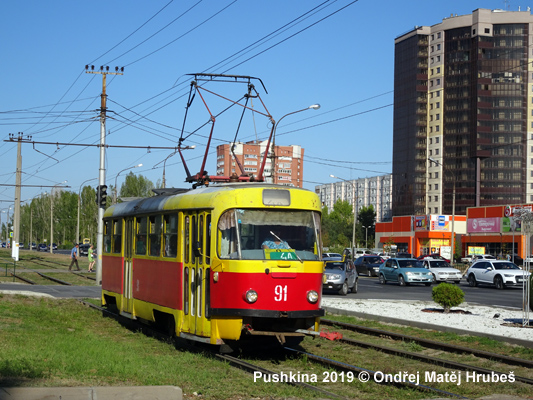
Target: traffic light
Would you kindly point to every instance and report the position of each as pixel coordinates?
(101, 195)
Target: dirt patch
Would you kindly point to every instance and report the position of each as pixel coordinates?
(441, 311)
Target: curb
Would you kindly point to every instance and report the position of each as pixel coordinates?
(100, 393)
(425, 325)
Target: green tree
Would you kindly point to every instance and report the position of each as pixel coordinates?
(337, 226)
(366, 217)
(136, 186)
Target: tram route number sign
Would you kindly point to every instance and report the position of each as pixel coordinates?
(280, 254)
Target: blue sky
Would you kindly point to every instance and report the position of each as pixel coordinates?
(340, 54)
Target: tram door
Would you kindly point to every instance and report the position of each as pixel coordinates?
(127, 304)
(196, 272)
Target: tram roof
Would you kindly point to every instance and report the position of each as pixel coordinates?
(200, 198)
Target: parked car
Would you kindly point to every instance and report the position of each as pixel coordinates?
(499, 273)
(43, 247)
(404, 255)
(404, 271)
(337, 255)
(33, 245)
(467, 259)
(478, 257)
(442, 271)
(368, 265)
(341, 276)
(434, 256)
(84, 249)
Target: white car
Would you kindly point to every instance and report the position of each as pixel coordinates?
(499, 273)
(442, 271)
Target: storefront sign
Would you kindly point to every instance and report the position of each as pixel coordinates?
(421, 223)
(511, 224)
(483, 225)
(440, 223)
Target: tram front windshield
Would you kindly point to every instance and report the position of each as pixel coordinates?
(269, 234)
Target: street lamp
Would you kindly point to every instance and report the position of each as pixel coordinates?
(79, 206)
(273, 166)
(354, 211)
(52, 216)
(366, 238)
(163, 184)
(453, 206)
(116, 177)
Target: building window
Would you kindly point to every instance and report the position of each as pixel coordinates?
(431, 142)
(437, 117)
(438, 81)
(436, 186)
(436, 198)
(436, 152)
(438, 58)
(487, 30)
(438, 47)
(437, 129)
(438, 35)
(436, 210)
(437, 105)
(436, 175)
(437, 139)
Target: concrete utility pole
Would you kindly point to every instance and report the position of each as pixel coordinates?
(101, 175)
(16, 218)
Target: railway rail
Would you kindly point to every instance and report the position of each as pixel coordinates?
(430, 343)
(253, 368)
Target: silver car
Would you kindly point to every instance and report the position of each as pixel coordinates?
(499, 273)
(341, 276)
(442, 271)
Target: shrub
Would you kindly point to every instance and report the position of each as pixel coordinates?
(447, 295)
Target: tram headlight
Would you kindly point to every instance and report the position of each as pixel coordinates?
(312, 296)
(215, 276)
(250, 296)
(324, 278)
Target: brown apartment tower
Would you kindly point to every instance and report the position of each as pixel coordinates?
(463, 96)
(288, 161)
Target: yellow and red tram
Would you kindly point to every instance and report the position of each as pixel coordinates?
(196, 262)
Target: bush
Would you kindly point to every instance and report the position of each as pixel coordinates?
(447, 295)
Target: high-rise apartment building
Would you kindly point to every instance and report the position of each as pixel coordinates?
(463, 96)
(375, 191)
(288, 161)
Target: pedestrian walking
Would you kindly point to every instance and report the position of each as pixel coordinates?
(90, 256)
(74, 258)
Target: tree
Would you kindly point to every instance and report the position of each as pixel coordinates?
(337, 226)
(136, 186)
(367, 217)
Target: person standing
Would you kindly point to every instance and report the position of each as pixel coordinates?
(90, 256)
(74, 257)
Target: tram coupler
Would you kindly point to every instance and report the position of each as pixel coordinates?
(323, 334)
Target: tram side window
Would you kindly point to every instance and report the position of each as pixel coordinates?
(186, 238)
(117, 236)
(155, 235)
(107, 236)
(208, 239)
(171, 235)
(140, 238)
(227, 235)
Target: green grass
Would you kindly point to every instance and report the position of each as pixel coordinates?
(48, 342)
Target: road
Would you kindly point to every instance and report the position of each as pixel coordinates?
(369, 288)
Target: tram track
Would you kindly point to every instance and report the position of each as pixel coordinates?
(253, 368)
(427, 343)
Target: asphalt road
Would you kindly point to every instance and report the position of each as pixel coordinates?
(370, 288)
